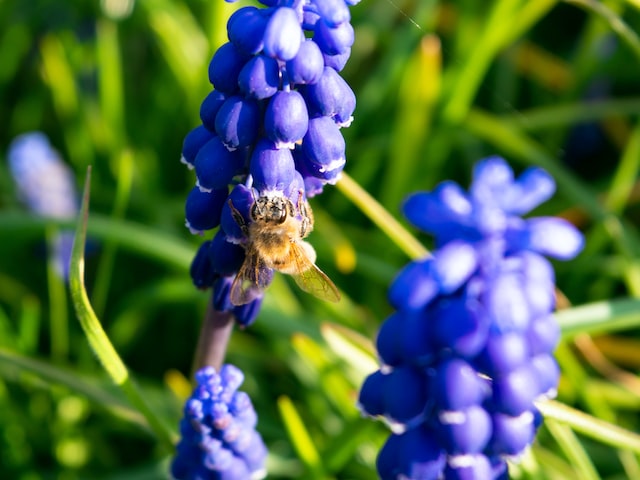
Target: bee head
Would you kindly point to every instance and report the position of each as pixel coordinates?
(271, 209)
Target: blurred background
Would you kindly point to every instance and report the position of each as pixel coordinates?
(116, 84)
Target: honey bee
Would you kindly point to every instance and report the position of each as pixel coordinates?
(275, 242)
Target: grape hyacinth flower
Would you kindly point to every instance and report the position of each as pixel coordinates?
(218, 436)
(47, 186)
(270, 126)
(469, 348)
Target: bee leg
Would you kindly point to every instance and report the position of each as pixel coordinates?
(307, 216)
(239, 219)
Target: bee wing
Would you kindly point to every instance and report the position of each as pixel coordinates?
(311, 279)
(252, 278)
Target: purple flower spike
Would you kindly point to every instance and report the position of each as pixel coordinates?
(203, 209)
(286, 119)
(260, 77)
(331, 96)
(307, 66)
(283, 35)
(272, 168)
(192, 144)
(324, 149)
(216, 166)
(208, 448)
(238, 121)
(245, 29)
(225, 67)
(334, 41)
(476, 320)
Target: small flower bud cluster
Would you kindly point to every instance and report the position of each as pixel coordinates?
(469, 348)
(271, 125)
(47, 185)
(218, 436)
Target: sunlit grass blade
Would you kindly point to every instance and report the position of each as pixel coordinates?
(599, 317)
(593, 427)
(300, 438)
(573, 449)
(381, 217)
(96, 336)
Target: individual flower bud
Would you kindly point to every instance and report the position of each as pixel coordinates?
(219, 439)
(295, 189)
(405, 395)
(286, 119)
(506, 303)
(389, 341)
(216, 166)
(272, 169)
(464, 431)
(260, 77)
(467, 335)
(242, 198)
(414, 454)
(455, 385)
(543, 335)
(515, 392)
(307, 66)
(201, 271)
(312, 184)
(203, 209)
(547, 374)
(324, 149)
(209, 109)
(371, 399)
(511, 434)
(245, 29)
(503, 353)
(246, 314)
(226, 257)
(225, 67)
(414, 286)
(337, 62)
(334, 40)
(468, 467)
(283, 34)
(553, 237)
(331, 96)
(309, 18)
(237, 122)
(193, 142)
(333, 12)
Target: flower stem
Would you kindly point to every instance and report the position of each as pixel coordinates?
(381, 217)
(96, 336)
(214, 337)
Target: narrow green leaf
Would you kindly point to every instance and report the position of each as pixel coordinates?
(599, 317)
(573, 449)
(96, 336)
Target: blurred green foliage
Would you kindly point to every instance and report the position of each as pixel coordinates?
(116, 84)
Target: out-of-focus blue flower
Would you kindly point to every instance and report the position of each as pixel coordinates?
(47, 186)
(273, 121)
(218, 435)
(473, 331)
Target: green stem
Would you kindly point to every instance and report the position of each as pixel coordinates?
(381, 217)
(96, 336)
(590, 426)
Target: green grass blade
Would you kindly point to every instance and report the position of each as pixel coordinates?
(573, 449)
(96, 336)
(599, 317)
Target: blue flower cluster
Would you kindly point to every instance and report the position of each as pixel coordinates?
(218, 436)
(469, 348)
(270, 126)
(47, 185)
